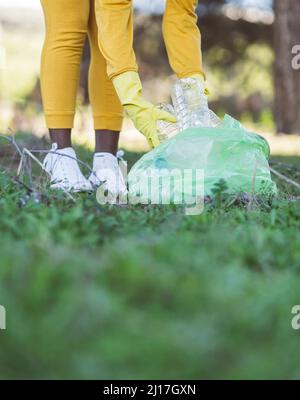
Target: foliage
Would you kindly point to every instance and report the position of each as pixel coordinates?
(146, 292)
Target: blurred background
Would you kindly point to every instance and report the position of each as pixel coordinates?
(247, 46)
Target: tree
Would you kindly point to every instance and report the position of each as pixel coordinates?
(287, 77)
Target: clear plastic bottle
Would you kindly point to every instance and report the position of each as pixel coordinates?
(215, 121)
(191, 104)
(190, 108)
(166, 130)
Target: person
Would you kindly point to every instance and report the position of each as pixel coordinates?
(68, 22)
(183, 42)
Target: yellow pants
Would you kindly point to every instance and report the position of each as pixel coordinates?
(181, 35)
(67, 24)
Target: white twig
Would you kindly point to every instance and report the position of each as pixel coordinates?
(29, 153)
(11, 139)
(285, 178)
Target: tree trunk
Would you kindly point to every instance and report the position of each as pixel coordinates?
(287, 69)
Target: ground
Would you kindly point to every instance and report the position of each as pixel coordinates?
(146, 292)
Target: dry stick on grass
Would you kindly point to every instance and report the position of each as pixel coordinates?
(23, 154)
(285, 165)
(11, 140)
(16, 180)
(285, 178)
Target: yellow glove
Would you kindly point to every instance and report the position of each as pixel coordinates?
(143, 114)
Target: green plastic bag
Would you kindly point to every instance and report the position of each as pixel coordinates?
(228, 152)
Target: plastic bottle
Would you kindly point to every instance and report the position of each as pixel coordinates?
(191, 104)
(215, 121)
(166, 130)
(190, 108)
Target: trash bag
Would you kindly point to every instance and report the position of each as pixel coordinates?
(228, 152)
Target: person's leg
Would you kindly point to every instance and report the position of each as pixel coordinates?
(107, 110)
(66, 29)
(61, 136)
(108, 118)
(106, 141)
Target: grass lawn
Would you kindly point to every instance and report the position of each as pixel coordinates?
(146, 292)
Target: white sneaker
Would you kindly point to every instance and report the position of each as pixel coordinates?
(107, 176)
(64, 171)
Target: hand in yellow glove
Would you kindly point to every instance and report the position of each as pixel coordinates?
(143, 114)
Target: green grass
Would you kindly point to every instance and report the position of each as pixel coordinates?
(146, 292)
